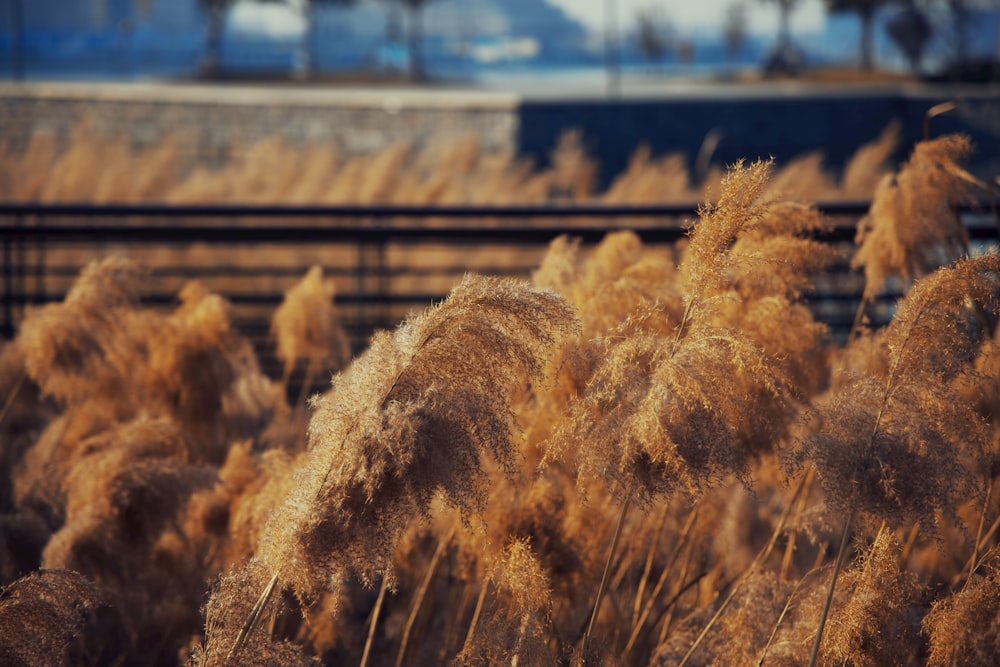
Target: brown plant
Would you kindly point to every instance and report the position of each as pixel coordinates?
(411, 418)
(58, 618)
(964, 627)
(912, 227)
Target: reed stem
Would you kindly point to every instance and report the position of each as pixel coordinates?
(844, 539)
(421, 594)
(376, 611)
(607, 573)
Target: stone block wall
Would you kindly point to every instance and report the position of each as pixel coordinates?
(214, 125)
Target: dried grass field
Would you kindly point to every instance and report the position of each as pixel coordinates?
(634, 455)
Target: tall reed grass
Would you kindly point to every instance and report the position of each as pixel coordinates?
(641, 456)
(446, 171)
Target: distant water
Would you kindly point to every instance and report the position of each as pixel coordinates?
(528, 79)
(596, 80)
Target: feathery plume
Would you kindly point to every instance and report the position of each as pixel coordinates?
(964, 627)
(869, 164)
(73, 350)
(514, 634)
(912, 227)
(59, 618)
(411, 418)
(874, 627)
(226, 612)
(306, 325)
(652, 417)
(890, 444)
(125, 500)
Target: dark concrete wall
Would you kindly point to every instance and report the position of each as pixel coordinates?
(776, 126)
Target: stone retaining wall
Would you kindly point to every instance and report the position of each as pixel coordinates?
(212, 125)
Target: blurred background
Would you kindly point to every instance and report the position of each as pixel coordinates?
(714, 80)
(499, 44)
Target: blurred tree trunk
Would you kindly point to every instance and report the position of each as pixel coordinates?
(211, 64)
(785, 8)
(416, 8)
(866, 11)
(960, 25)
(785, 22)
(735, 30)
(215, 12)
(867, 48)
(910, 30)
(17, 44)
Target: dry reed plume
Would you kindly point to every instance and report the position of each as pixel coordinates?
(412, 417)
(653, 417)
(894, 439)
(912, 227)
(306, 328)
(647, 455)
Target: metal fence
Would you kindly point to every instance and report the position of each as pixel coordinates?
(386, 261)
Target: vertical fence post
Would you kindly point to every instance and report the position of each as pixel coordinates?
(17, 68)
(8, 287)
(20, 270)
(40, 296)
(382, 278)
(360, 270)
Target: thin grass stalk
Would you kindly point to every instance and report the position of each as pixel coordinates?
(859, 316)
(421, 594)
(13, 395)
(680, 328)
(844, 539)
(376, 611)
(934, 111)
(672, 600)
(300, 404)
(455, 620)
(516, 658)
(734, 587)
(973, 561)
(480, 601)
(786, 560)
(638, 624)
(911, 540)
(607, 572)
(254, 618)
(761, 556)
(986, 555)
(668, 613)
(626, 556)
(986, 538)
(637, 606)
(781, 617)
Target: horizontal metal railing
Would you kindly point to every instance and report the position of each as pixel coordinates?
(8, 209)
(379, 260)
